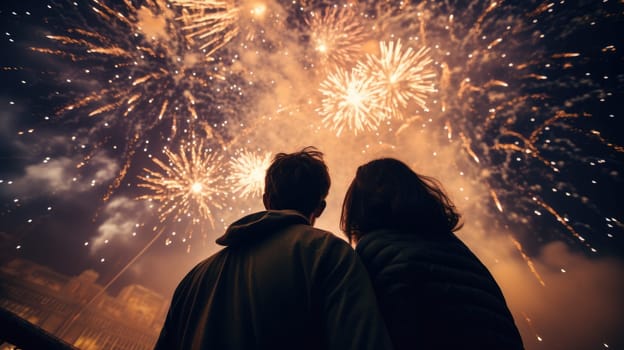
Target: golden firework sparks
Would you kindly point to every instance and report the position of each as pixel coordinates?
(140, 72)
(247, 172)
(336, 35)
(351, 100)
(406, 75)
(187, 184)
(211, 23)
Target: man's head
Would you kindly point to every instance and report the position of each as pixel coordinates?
(297, 181)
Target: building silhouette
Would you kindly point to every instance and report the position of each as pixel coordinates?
(65, 307)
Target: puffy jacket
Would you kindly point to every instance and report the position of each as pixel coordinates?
(279, 284)
(434, 293)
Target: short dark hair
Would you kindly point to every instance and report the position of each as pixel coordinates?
(387, 194)
(298, 181)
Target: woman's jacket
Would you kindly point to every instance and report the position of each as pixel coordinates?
(434, 293)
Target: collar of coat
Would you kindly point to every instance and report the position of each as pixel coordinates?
(258, 225)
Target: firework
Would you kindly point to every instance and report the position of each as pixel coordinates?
(351, 100)
(498, 101)
(188, 184)
(143, 81)
(211, 24)
(336, 35)
(246, 173)
(148, 68)
(509, 95)
(518, 114)
(405, 75)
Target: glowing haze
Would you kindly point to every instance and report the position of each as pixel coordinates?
(159, 119)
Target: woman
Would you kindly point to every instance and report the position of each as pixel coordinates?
(433, 291)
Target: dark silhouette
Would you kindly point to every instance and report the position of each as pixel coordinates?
(433, 292)
(279, 283)
(27, 336)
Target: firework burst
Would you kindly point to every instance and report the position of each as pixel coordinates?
(351, 100)
(336, 35)
(146, 66)
(188, 184)
(247, 172)
(212, 24)
(404, 74)
(134, 76)
(519, 114)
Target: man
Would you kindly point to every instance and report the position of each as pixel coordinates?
(279, 283)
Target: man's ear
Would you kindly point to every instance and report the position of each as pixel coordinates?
(265, 201)
(320, 208)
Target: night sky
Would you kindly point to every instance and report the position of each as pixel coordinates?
(132, 133)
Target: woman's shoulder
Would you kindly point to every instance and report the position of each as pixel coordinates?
(382, 239)
(398, 247)
(390, 246)
(406, 239)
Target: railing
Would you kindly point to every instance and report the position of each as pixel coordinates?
(27, 336)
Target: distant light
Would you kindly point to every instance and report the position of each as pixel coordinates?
(196, 187)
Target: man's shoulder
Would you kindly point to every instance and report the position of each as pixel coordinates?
(320, 241)
(313, 233)
(203, 266)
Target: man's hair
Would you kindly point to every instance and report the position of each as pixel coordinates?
(298, 181)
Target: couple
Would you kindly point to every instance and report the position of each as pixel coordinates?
(282, 284)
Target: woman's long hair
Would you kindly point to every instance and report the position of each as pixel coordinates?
(387, 194)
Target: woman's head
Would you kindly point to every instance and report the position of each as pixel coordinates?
(387, 194)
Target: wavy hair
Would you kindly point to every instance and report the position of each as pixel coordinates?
(387, 194)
